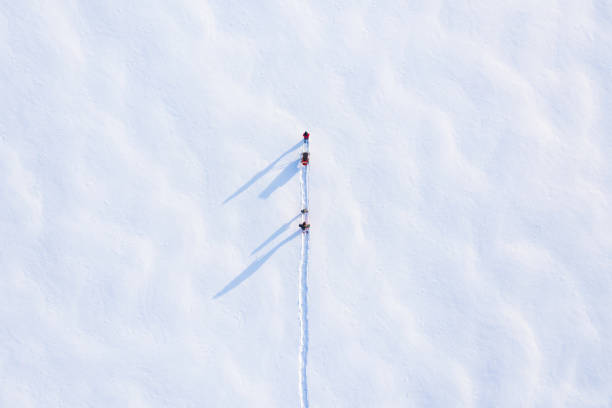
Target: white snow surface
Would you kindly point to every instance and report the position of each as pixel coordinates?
(460, 203)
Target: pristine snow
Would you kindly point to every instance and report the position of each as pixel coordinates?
(460, 186)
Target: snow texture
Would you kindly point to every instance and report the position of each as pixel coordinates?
(461, 184)
(303, 295)
(303, 308)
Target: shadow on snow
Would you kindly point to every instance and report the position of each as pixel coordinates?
(276, 233)
(261, 173)
(282, 179)
(254, 266)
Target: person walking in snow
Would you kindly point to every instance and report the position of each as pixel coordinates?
(304, 226)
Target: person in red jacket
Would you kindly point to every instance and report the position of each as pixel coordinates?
(306, 135)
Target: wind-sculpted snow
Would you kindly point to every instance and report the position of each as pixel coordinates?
(462, 182)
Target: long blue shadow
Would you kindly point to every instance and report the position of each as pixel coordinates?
(253, 267)
(282, 179)
(276, 233)
(261, 173)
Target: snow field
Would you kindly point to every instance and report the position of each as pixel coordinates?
(460, 203)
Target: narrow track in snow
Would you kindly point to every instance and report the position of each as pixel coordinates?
(303, 289)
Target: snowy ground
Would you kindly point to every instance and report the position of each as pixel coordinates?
(460, 202)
